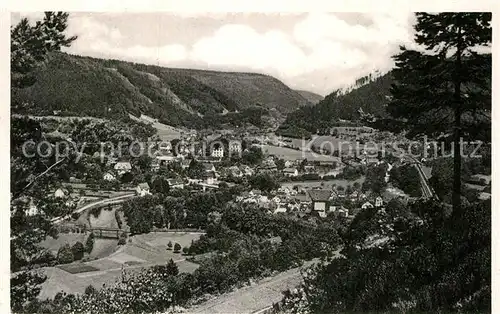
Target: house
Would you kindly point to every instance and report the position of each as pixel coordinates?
(108, 177)
(342, 213)
(309, 168)
(322, 214)
(255, 192)
(290, 172)
(217, 151)
(155, 165)
(32, 210)
(267, 169)
(320, 199)
(208, 167)
(370, 161)
(235, 147)
(166, 159)
(247, 171)
(60, 193)
(366, 205)
(142, 189)
(123, 167)
(175, 183)
(354, 195)
(210, 178)
(379, 202)
(280, 209)
(185, 163)
(283, 190)
(235, 171)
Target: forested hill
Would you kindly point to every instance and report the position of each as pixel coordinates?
(310, 96)
(370, 96)
(109, 88)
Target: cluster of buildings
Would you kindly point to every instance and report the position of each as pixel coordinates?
(312, 202)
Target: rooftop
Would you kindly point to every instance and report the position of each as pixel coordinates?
(319, 195)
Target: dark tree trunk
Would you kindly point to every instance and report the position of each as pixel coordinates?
(457, 163)
(457, 160)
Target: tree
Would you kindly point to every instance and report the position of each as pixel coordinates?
(160, 185)
(177, 247)
(78, 250)
(195, 169)
(185, 250)
(30, 176)
(447, 88)
(29, 45)
(252, 156)
(172, 268)
(65, 254)
(264, 182)
(280, 164)
(89, 245)
(375, 179)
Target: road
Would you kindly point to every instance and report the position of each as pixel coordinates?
(113, 200)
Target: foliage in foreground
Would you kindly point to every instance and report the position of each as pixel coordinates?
(432, 262)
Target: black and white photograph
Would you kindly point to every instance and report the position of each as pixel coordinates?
(250, 162)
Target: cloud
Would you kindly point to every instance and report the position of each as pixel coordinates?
(319, 52)
(320, 46)
(96, 38)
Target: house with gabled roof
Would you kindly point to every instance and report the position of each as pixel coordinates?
(123, 167)
(320, 199)
(142, 189)
(290, 172)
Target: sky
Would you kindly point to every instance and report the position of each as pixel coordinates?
(317, 52)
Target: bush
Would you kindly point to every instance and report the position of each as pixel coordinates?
(169, 245)
(75, 216)
(89, 245)
(172, 268)
(78, 250)
(65, 254)
(118, 219)
(96, 211)
(90, 290)
(123, 238)
(46, 258)
(177, 248)
(185, 250)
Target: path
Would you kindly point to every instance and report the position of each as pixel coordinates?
(254, 298)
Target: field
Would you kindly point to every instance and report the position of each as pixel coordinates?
(292, 154)
(77, 268)
(323, 184)
(105, 219)
(53, 245)
(165, 132)
(142, 251)
(252, 298)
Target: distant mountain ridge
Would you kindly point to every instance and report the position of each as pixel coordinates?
(369, 94)
(310, 96)
(75, 85)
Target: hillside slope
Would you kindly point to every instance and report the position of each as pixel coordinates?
(77, 85)
(310, 96)
(370, 97)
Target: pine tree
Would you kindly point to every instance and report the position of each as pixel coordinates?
(172, 268)
(29, 45)
(446, 89)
